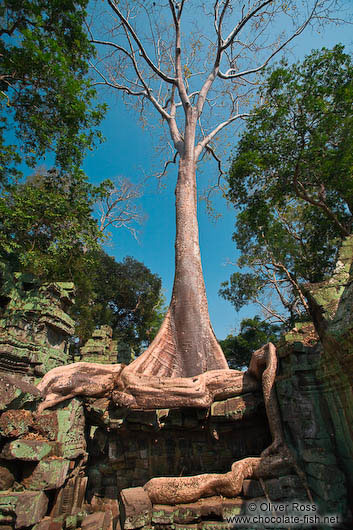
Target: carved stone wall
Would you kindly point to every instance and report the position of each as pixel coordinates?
(34, 326)
(128, 449)
(308, 400)
(101, 348)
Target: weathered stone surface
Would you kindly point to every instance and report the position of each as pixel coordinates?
(136, 508)
(35, 327)
(237, 408)
(100, 348)
(14, 393)
(50, 524)
(214, 525)
(50, 473)
(215, 508)
(69, 499)
(71, 429)
(6, 477)
(46, 424)
(185, 526)
(98, 411)
(187, 513)
(331, 307)
(27, 450)
(273, 489)
(252, 488)
(292, 487)
(163, 514)
(97, 521)
(14, 423)
(29, 507)
(44, 524)
(232, 507)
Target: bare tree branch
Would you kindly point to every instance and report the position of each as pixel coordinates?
(118, 208)
(166, 164)
(235, 74)
(205, 141)
(144, 54)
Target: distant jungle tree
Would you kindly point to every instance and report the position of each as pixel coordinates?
(291, 181)
(125, 295)
(46, 224)
(254, 333)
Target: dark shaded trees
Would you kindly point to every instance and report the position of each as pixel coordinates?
(125, 295)
(253, 334)
(291, 181)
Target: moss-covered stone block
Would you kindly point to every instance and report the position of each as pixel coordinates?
(50, 473)
(27, 450)
(16, 393)
(187, 513)
(28, 507)
(35, 327)
(71, 428)
(214, 525)
(14, 423)
(46, 424)
(232, 507)
(236, 408)
(162, 514)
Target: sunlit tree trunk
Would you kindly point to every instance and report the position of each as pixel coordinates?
(185, 75)
(186, 344)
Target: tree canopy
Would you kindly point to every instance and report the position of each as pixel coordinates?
(291, 181)
(48, 229)
(46, 100)
(125, 295)
(254, 333)
(47, 223)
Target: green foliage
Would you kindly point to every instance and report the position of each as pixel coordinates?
(45, 97)
(291, 180)
(125, 295)
(47, 229)
(46, 224)
(157, 317)
(254, 333)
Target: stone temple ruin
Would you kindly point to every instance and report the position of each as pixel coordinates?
(93, 446)
(35, 328)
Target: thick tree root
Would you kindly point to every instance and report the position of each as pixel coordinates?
(141, 391)
(178, 490)
(170, 356)
(134, 390)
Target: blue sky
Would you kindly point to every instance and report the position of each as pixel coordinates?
(129, 151)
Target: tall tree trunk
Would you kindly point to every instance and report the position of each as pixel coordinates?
(185, 345)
